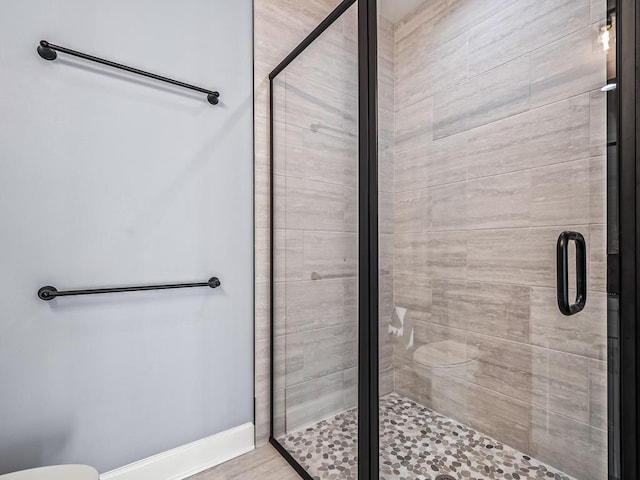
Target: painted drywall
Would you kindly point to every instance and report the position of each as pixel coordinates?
(109, 179)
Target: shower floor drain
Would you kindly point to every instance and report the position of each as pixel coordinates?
(445, 477)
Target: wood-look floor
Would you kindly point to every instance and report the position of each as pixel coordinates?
(264, 463)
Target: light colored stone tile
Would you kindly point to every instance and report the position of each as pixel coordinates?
(414, 294)
(522, 256)
(320, 206)
(598, 415)
(421, 70)
(410, 254)
(553, 435)
(321, 157)
(499, 201)
(330, 255)
(447, 254)
(458, 16)
(572, 65)
(493, 309)
(582, 334)
(521, 28)
(332, 61)
(322, 352)
(560, 383)
(320, 304)
(494, 95)
(385, 254)
(311, 105)
(386, 211)
(313, 401)
(412, 211)
(414, 125)
(287, 256)
(597, 258)
(449, 209)
(434, 163)
(598, 123)
(544, 136)
(598, 10)
(501, 417)
(558, 201)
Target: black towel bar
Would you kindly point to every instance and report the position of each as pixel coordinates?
(48, 51)
(49, 292)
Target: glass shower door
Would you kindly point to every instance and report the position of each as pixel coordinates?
(493, 133)
(315, 252)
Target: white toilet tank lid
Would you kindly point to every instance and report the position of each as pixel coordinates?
(55, 472)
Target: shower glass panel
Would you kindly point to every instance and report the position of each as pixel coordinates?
(493, 134)
(315, 252)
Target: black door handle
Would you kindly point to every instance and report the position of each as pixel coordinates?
(563, 273)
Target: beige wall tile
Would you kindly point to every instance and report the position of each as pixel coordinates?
(499, 201)
(521, 28)
(314, 400)
(320, 206)
(330, 255)
(598, 123)
(522, 256)
(414, 125)
(319, 304)
(572, 65)
(434, 163)
(497, 94)
(560, 383)
(582, 334)
(543, 136)
(556, 201)
(598, 415)
(552, 436)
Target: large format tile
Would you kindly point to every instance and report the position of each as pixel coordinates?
(311, 105)
(553, 436)
(560, 383)
(572, 65)
(569, 193)
(494, 95)
(315, 400)
(320, 156)
(422, 71)
(582, 334)
(454, 17)
(434, 163)
(329, 255)
(318, 353)
(543, 136)
(319, 304)
(414, 125)
(500, 201)
(499, 310)
(521, 28)
(320, 206)
(521, 256)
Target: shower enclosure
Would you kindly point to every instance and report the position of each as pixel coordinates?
(453, 279)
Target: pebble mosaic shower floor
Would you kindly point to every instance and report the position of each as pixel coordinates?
(416, 443)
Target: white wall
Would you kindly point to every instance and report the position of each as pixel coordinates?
(106, 180)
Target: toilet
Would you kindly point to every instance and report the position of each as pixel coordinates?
(55, 472)
(443, 357)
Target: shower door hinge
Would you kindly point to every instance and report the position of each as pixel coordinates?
(613, 274)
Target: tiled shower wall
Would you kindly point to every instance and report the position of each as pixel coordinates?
(315, 170)
(499, 147)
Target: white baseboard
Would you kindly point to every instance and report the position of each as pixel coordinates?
(187, 460)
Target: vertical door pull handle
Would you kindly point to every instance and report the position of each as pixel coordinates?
(563, 273)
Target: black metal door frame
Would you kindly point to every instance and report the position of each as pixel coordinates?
(623, 414)
(623, 392)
